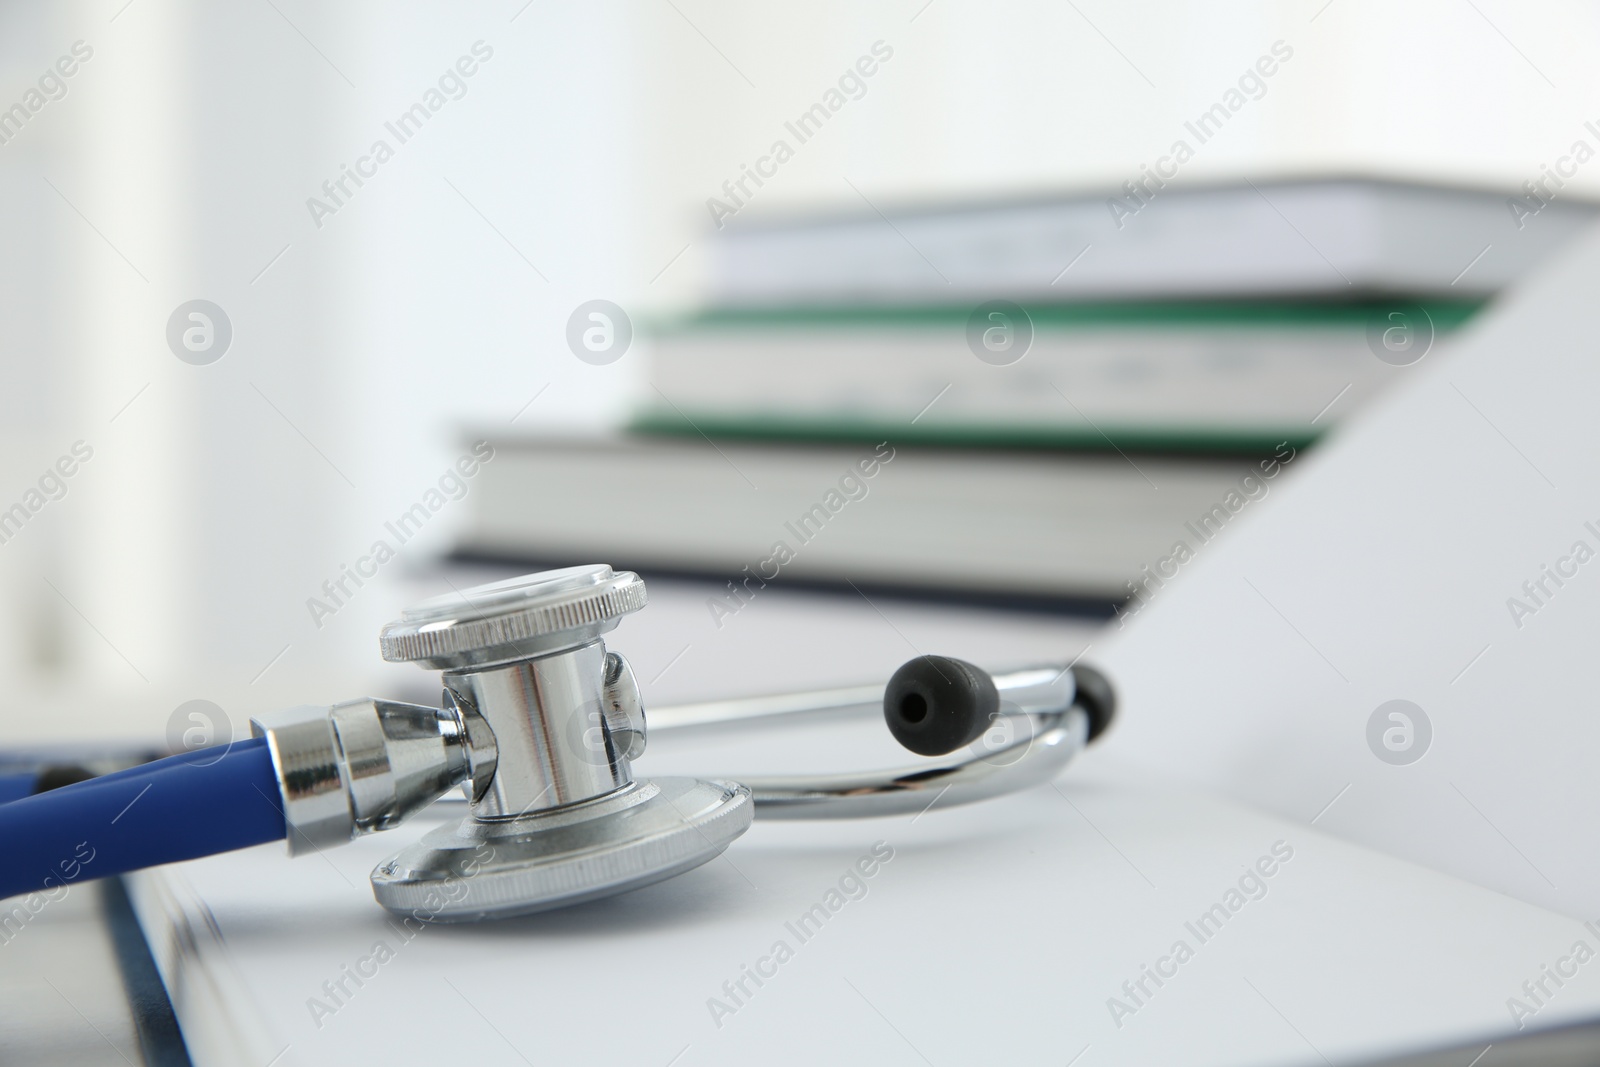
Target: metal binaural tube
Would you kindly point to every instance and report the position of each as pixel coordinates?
(1039, 688)
(1043, 697)
(1030, 761)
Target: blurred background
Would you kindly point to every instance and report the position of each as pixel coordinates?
(570, 232)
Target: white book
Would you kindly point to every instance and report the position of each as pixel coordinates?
(1314, 236)
(1439, 551)
(1163, 376)
(1055, 529)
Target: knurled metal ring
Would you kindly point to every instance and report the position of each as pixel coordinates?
(516, 618)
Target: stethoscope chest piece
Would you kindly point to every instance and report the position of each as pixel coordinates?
(489, 869)
(547, 722)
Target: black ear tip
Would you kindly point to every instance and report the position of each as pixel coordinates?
(933, 705)
(1096, 696)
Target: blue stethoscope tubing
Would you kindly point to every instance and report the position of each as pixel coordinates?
(180, 808)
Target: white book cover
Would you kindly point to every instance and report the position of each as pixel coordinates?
(1287, 237)
(1400, 642)
(1181, 375)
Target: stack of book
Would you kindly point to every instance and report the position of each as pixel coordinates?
(1036, 402)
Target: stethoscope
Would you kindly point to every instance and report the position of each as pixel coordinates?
(539, 726)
